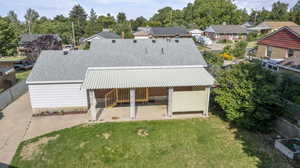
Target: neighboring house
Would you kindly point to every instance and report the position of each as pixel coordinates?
(162, 32)
(271, 26)
(248, 24)
(226, 32)
(32, 44)
(196, 32)
(281, 44)
(102, 35)
(7, 77)
(120, 71)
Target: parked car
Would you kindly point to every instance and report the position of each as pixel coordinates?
(68, 47)
(203, 40)
(23, 65)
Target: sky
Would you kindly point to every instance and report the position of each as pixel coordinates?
(132, 8)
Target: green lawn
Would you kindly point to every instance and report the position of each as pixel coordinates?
(207, 143)
(12, 58)
(22, 75)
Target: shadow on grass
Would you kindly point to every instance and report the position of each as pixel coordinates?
(3, 165)
(255, 144)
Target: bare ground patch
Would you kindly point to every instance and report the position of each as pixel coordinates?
(35, 147)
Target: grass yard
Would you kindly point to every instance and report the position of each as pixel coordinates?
(252, 44)
(207, 143)
(12, 58)
(22, 75)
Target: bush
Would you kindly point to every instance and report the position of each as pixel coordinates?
(237, 50)
(212, 58)
(224, 41)
(226, 56)
(249, 96)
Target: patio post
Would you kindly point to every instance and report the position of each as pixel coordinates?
(170, 101)
(93, 103)
(132, 104)
(207, 104)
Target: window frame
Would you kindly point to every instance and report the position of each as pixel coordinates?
(288, 52)
(269, 52)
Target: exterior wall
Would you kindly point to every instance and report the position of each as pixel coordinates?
(261, 51)
(236, 37)
(277, 53)
(141, 37)
(57, 97)
(191, 101)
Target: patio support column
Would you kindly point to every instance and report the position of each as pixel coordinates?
(93, 103)
(132, 104)
(207, 104)
(170, 101)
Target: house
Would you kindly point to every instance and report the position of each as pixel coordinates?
(122, 71)
(271, 26)
(196, 32)
(7, 77)
(226, 32)
(32, 44)
(281, 44)
(102, 35)
(161, 32)
(248, 24)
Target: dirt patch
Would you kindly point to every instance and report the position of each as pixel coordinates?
(35, 147)
(142, 132)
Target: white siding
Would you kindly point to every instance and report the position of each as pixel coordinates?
(57, 95)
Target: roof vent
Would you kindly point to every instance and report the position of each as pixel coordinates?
(162, 51)
(65, 52)
(113, 41)
(153, 41)
(176, 41)
(134, 41)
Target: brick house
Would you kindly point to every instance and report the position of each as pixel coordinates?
(281, 44)
(32, 44)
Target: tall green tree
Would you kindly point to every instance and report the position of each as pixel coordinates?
(12, 16)
(121, 17)
(107, 21)
(30, 17)
(78, 16)
(138, 22)
(295, 13)
(280, 11)
(93, 26)
(8, 38)
(164, 16)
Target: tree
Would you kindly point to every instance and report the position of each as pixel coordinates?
(107, 21)
(248, 94)
(93, 26)
(78, 16)
(121, 17)
(280, 11)
(123, 28)
(8, 39)
(12, 16)
(30, 17)
(164, 16)
(138, 22)
(295, 13)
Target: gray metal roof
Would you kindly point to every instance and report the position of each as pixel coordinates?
(149, 77)
(32, 37)
(105, 35)
(168, 31)
(54, 66)
(227, 29)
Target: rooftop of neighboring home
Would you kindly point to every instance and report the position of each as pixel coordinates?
(72, 66)
(285, 37)
(275, 24)
(106, 34)
(27, 38)
(162, 31)
(227, 29)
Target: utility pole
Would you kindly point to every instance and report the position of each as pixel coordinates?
(73, 32)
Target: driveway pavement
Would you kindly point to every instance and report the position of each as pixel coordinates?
(216, 46)
(16, 125)
(13, 125)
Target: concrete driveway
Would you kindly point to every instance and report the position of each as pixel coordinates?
(13, 125)
(16, 125)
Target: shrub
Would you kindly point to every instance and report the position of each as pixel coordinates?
(239, 50)
(226, 56)
(248, 94)
(212, 58)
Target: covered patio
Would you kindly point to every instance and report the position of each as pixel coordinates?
(131, 93)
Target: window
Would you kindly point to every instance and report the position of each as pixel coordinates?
(269, 51)
(290, 52)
